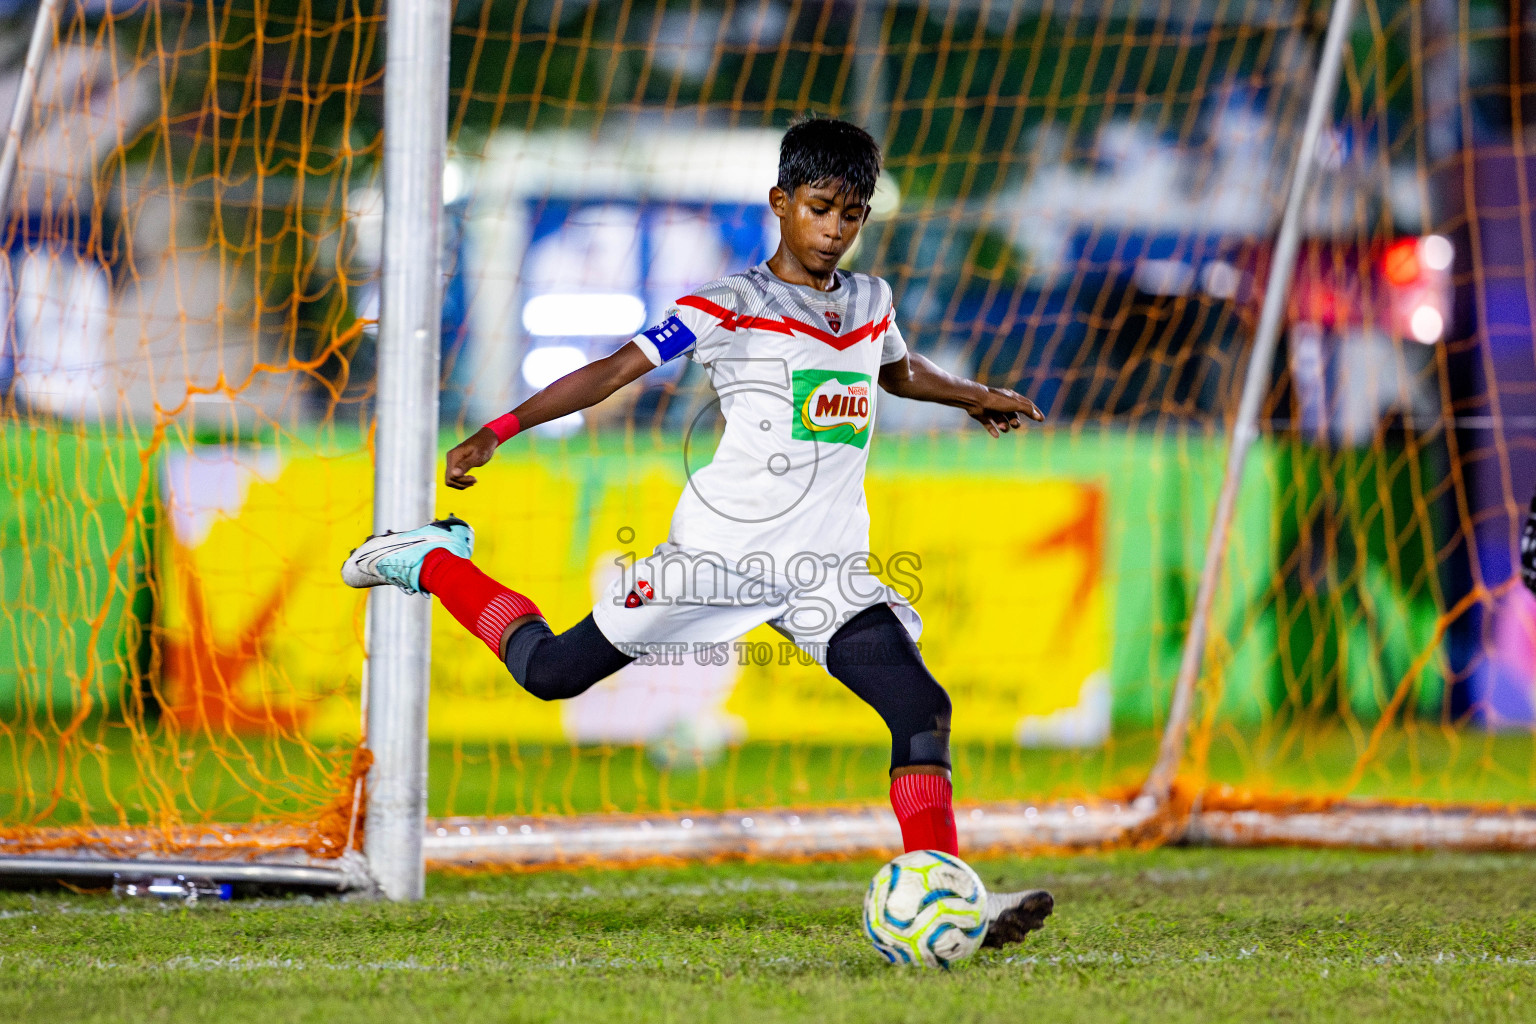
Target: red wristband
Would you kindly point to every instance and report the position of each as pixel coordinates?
(504, 427)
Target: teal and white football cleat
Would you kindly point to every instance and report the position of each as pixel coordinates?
(395, 558)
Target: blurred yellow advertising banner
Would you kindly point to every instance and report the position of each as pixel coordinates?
(259, 633)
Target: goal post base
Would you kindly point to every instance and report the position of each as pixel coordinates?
(339, 874)
(530, 843)
(1366, 826)
(266, 854)
(789, 834)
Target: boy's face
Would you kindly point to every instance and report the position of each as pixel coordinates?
(818, 223)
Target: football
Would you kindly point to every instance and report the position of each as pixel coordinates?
(926, 908)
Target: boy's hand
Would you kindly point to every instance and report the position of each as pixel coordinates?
(472, 452)
(1001, 409)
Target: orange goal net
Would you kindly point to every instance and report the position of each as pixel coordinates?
(1078, 202)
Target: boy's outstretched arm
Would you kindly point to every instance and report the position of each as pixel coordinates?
(577, 390)
(997, 409)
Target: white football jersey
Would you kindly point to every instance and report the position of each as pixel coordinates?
(796, 372)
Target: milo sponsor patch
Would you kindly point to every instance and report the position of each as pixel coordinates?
(833, 405)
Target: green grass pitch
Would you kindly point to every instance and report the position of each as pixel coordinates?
(1170, 935)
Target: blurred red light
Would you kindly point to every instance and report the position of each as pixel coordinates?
(1400, 263)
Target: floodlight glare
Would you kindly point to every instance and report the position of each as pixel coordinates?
(545, 365)
(1436, 251)
(584, 315)
(1426, 325)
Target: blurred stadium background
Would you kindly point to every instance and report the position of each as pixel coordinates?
(1079, 202)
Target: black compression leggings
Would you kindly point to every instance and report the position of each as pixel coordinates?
(872, 654)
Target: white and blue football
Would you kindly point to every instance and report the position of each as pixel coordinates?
(926, 907)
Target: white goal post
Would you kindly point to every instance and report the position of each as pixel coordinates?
(399, 635)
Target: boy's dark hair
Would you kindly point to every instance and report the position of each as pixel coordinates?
(821, 150)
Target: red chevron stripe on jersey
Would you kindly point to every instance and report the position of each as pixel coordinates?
(785, 325)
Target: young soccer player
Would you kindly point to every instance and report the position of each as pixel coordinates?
(774, 529)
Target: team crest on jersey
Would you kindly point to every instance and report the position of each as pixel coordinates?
(834, 320)
(642, 593)
(833, 406)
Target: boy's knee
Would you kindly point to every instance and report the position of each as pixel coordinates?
(546, 690)
(552, 667)
(521, 647)
(939, 705)
(544, 680)
(550, 684)
(928, 741)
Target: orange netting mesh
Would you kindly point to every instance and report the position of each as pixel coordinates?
(1078, 202)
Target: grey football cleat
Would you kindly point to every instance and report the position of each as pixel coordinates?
(395, 558)
(1013, 915)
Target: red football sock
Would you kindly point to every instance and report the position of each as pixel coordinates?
(923, 806)
(482, 606)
